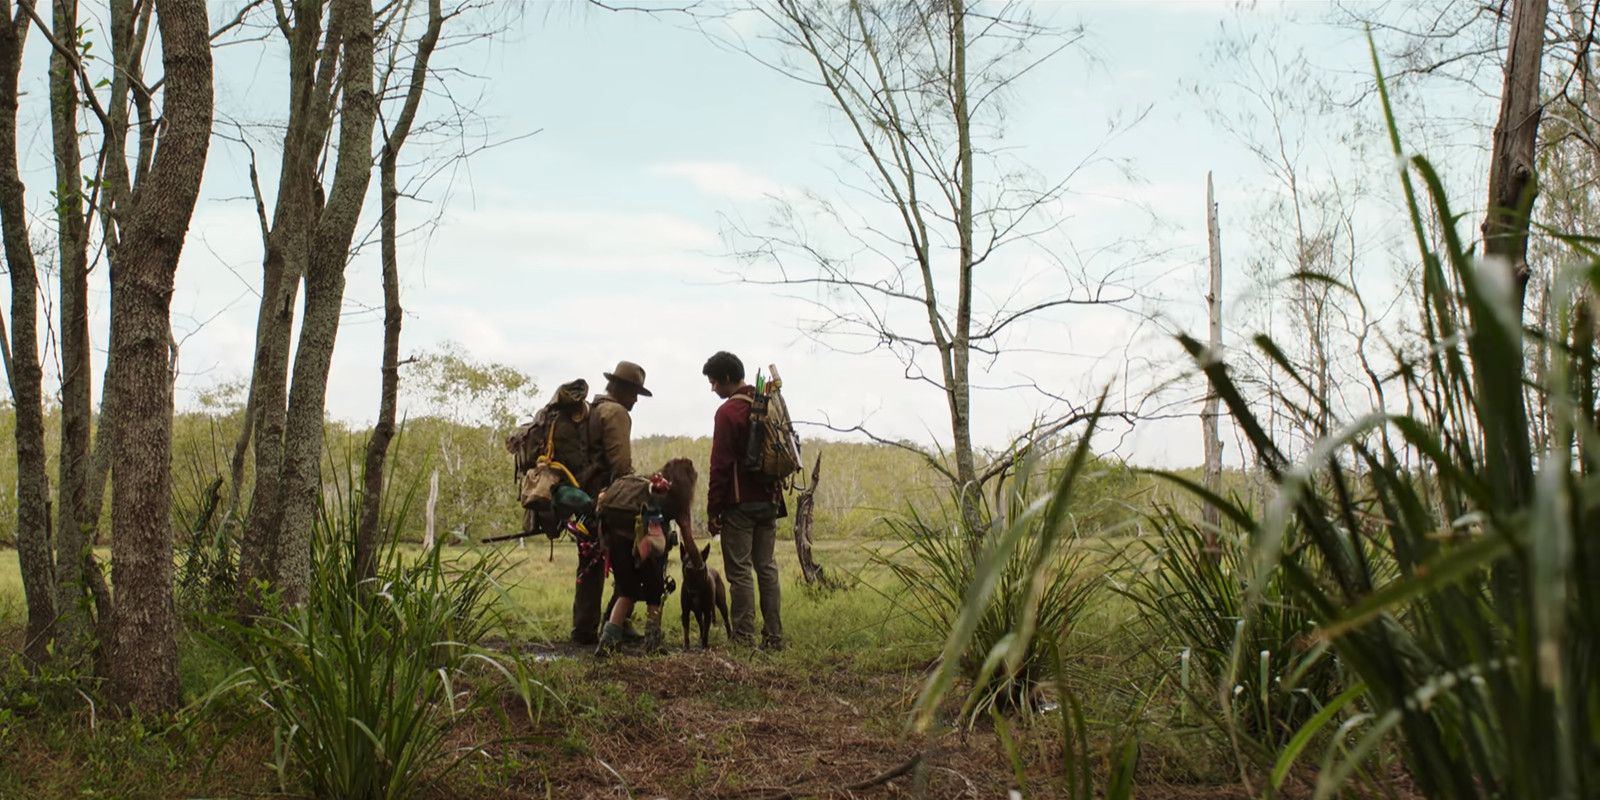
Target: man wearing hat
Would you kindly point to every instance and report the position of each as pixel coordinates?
(611, 430)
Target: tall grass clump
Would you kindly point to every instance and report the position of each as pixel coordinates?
(1019, 557)
(1477, 647)
(1238, 645)
(364, 682)
(1036, 580)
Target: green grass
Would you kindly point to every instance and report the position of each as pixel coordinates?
(858, 624)
(11, 607)
(853, 644)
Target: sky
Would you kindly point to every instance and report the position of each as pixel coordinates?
(598, 229)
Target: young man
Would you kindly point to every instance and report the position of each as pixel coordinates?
(743, 507)
(610, 435)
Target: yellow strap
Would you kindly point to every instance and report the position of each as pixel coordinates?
(550, 452)
(560, 467)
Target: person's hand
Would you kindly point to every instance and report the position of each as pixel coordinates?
(714, 526)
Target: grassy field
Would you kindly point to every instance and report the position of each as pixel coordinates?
(826, 714)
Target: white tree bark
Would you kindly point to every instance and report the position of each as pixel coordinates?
(433, 502)
(1208, 417)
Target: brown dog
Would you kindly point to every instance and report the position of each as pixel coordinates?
(702, 590)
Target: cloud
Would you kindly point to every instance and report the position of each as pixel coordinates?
(721, 178)
(532, 241)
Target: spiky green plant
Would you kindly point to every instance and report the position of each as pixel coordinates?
(1255, 670)
(1042, 583)
(364, 682)
(1477, 652)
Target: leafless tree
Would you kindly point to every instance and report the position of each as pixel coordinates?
(394, 140)
(1512, 189)
(921, 87)
(307, 241)
(1304, 257)
(80, 589)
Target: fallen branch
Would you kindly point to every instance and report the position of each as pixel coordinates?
(799, 790)
(900, 771)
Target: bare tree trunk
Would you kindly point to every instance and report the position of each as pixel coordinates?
(960, 387)
(1512, 187)
(311, 85)
(1512, 190)
(389, 191)
(804, 511)
(94, 574)
(144, 264)
(433, 503)
(1208, 417)
(23, 369)
(258, 551)
(389, 389)
(330, 253)
(76, 523)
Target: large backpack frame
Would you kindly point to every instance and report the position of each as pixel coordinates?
(773, 449)
(552, 450)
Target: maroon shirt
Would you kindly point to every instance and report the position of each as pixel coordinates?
(731, 483)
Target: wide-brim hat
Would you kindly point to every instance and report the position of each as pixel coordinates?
(629, 373)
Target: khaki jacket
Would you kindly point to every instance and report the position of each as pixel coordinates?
(612, 434)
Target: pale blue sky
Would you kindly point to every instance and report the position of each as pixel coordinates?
(598, 238)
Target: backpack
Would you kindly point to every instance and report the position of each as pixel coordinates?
(551, 452)
(773, 449)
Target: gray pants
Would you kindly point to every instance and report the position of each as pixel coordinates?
(748, 540)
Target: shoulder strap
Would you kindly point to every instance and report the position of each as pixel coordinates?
(744, 397)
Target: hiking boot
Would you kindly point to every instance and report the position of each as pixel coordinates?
(652, 639)
(653, 642)
(611, 640)
(585, 638)
(772, 644)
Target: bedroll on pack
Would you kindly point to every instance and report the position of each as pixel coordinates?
(551, 452)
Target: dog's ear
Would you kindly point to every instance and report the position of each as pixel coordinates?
(705, 553)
